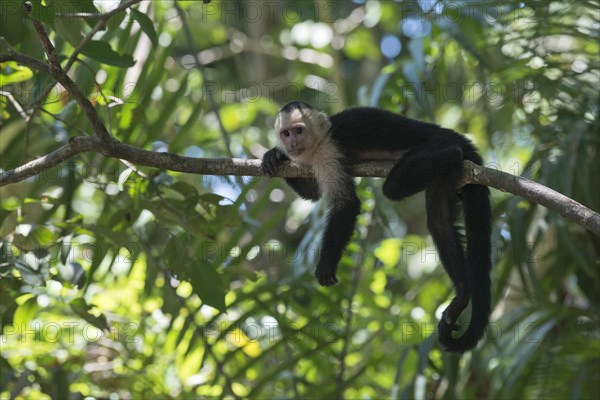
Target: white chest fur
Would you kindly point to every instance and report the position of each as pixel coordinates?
(330, 173)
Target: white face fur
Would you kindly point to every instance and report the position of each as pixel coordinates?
(304, 136)
(300, 132)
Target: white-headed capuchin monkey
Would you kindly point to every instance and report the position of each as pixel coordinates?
(429, 158)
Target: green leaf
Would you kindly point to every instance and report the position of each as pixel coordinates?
(207, 284)
(82, 309)
(33, 275)
(14, 24)
(26, 311)
(175, 254)
(211, 198)
(185, 189)
(114, 21)
(43, 12)
(14, 73)
(101, 249)
(102, 52)
(228, 215)
(70, 29)
(4, 45)
(146, 25)
(86, 6)
(205, 280)
(43, 235)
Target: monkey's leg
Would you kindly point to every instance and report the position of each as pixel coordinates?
(438, 171)
(341, 220)
(419, 169)
(307, 188)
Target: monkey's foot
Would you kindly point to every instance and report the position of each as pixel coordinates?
(326, 276)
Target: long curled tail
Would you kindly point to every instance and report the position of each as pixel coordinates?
(477, 211)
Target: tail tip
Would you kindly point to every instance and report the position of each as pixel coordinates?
(468, 341)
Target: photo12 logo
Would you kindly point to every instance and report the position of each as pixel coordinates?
(67, 332)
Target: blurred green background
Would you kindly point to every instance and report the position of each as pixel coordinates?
(127, 283)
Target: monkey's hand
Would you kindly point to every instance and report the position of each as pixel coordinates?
(326, 274)
(271, 161)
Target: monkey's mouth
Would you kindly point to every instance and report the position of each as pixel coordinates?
(296, 151)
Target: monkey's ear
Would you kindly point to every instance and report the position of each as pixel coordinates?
(324, 122)
(277, 123)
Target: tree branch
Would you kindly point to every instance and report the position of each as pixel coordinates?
(61, 77)
(101, 24)
(22, 59)
(473, 174)
(75, 146)
(533, 191)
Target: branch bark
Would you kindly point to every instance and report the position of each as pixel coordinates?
(526, 188)
(473, 174)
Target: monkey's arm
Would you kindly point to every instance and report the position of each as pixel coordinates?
(341, 219)
(307, 188)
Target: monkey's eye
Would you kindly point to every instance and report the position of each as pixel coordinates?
(299, 130)
(285, 133)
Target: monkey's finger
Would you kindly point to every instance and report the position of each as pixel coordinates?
(268, 168)
(266, 171)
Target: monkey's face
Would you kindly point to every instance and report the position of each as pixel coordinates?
(300, 132)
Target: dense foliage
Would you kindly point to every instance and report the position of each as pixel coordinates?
(126, 282)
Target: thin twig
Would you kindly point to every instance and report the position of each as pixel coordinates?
(77, 15)
(68, 124)
(101, 24)
(61, 76)
(15, 103)
(23, 59)
(356, 275)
